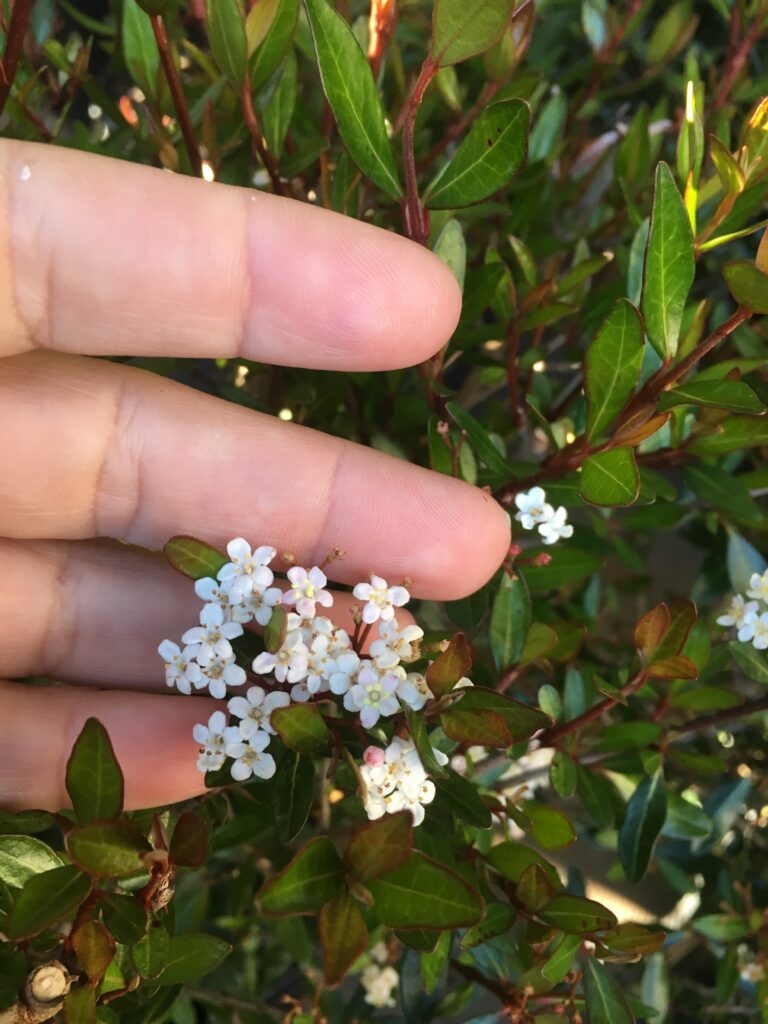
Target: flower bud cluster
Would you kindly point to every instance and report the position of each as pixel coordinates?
(750, 617)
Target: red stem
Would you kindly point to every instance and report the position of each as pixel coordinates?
(257, 139)
(551, 737)
(14, 44)
(413, 213)
(177, 94)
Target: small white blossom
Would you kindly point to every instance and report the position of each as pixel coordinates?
(737, 611)
(307, 590)
(212, 742)
(533, 509)
(755, 629)
(212, 637)
(556, 527)
(181, 670)
(214, 592)
(255, 708)
(373, 695)
(219, 673)
(381, 600)
(395, 780)
(758, 586)
(246, 569)
(379, 984)
(414, 691)
(289, 663)
(257, 605)
(249, 756)
(394, 644)
(300, 693)
(379, 952)
(345, 668)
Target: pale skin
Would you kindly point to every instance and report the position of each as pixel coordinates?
(101, 257)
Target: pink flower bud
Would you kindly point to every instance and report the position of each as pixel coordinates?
(514, 551)
(373, 757)
(542, 559)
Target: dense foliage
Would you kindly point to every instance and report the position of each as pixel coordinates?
(595, 173)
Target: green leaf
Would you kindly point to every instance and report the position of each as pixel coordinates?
(633, 938)
(743, 561)
(150, 954)
(512, 859)
(644, 819)
(46, 900)
(420, 736)
(540, 641)
(751, 662)
(351, 90)
(606, 1002)
(487, 160)
(451, 249)
(302, 728)
(485, 728)
(425, 894)
(612, 367)
(380, 846)
(139, 48)
(669, 266)
(463, 28)
(434, 964)
(294, 794)
(226, 31)
(510, 620)
(534, 889)
(80, 1005)
(577, 915)
(722, 491)
(564, 774)
(93, 778)
(314, 876)
(24, 822)
(722, 927)
(461, 797)
(269, 54)
(499, 918)
(449, 667)
(343, 936)
(108, 849)
(522, 720)
(550, 827)
(484, 447)
(734, 395)
(561, 959)
(567, 565)
(731, 175)
(94, 948)
(733, 433)
(747, 284)
(610, 479)
(192, 956)
(194, 558)
(125, 916)
(275, 630)
(22, 857)
(278, 105)
(189, 844)
(13, 972)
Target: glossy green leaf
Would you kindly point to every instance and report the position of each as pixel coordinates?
(349, 85)
(478, 436)
(633, 938)
(567, 564)
(226, 31)
(644, 820)
(108, 849)
(278, 105)
(189, 843)
(563, 774)
(150, 954)
(46, 900)
(722, 491)
(269, 53)
(577, 915)
(512, 859)
(294, 794)
(449, 667)
(487, 160)
(561, 959)
(722, 927)
(302, 728)
(343, 936)
(433, 965)
(534, 890)
(669, 266)
(192, 956)
(612, 367)
(610, 479)
(752, 663)
(477, 727)
(80, 1005)
(510, 621)
(734, 395)
(314, 876)
(744, 560)
(729, 436)
(730, 173)
(451, 248)
(549, 826)
(461, 797)
(93, 776)
(425, 894)
(540, 642)
(606, 1002)
(22, 857)
(380, 846)
(194, 558)
(499, 918)
(125, 916)
(140, 48)
(747, 284)
(463, 28)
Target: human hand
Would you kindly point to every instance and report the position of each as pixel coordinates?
(103, 258)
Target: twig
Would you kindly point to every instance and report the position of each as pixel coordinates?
(413, 214)
(257, 139)
(738, 57)
(177, 93)
(707, 722)
(14, 44)
(551, 737)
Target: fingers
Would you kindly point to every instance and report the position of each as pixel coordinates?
(152, 737)
(113, 451)
(94, 612)
(137, 261)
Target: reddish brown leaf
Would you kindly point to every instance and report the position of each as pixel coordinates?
(476, 726)
(447, 669)
(343, 935)
(381, 846)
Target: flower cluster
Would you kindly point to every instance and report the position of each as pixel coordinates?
(534, 512)
(313, 658)
(380, 980)
(750, 617)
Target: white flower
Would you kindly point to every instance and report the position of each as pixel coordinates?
(556, 527)
(211, 741)
(320, 664)
(379, 952)
(289, 663)
(249, 755)
(181, 670)
(246, 569)
(463, 683)
(307, 590)
(219, 673)
(255, 709)
(416, 796)
(373, 695)
(395, 644)
(380, 599)
(300, 693)
(345, 669)
(758, 586)
(397, 780)
(211, 638)
(736, 612)
(257, 604)
(533, 508)
(379, 984)
(755, 628)
(213, 592)
(414, 691)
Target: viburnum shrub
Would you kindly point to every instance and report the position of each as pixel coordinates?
(545, 802)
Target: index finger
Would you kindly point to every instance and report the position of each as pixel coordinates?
(103, 257)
